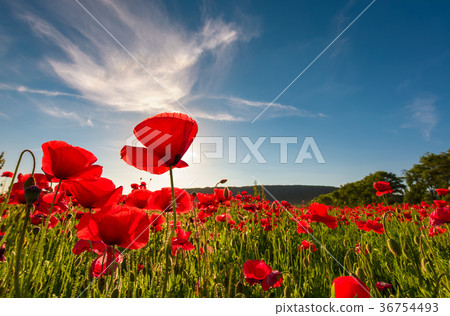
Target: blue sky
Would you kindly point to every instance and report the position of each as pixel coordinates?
(376, 99)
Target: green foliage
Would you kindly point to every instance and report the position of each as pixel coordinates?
(50, 269)
(362, 192)
(432, 172)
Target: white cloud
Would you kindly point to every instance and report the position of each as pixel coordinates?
(167, 61)
(4, 116)
(421, 114)
(23, 89)
(104, 73)
(59, 113)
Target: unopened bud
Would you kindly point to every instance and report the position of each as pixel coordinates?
(226, 193)
(36, 230)
(32, 192)
(394, 247)
(223, 181)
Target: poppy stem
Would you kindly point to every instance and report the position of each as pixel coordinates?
(19, 251)
(174, 205)
(384, 222)
(53, 203)
(14, 177)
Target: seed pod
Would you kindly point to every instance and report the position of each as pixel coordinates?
(132, 277)
(360, 274)
(115, 293)
(239, 288)
(36, 230)
(394, 247)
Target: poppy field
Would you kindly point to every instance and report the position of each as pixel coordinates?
(69, 232)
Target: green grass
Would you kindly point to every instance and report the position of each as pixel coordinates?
(50, 269)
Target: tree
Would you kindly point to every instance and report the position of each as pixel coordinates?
(432, 172)
(2, 160)
(362, 192)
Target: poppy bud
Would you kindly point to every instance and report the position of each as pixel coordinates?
(239, 288)
(132, 277)
(36, 230)
(223, 181)
(360, 274)
(32, 194)
(115, 293)
(394, 247)
(226, 192)
(345, 243)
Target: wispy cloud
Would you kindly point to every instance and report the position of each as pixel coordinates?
(55, 111)
(239, 109)
(4, 116)
(103, 73)
(185, 60)
(421, 114)
(23, 89)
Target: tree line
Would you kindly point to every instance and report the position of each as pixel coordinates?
(416, 185)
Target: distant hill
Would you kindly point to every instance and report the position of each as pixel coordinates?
(293, 194)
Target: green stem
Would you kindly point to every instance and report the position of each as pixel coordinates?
(14, 177)
(19, 251)
(53, 203)
(438, 282)
(174, 205)
(384, 222)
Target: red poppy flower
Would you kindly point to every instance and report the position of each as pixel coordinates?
(138, 198)
(7, 174)
(220, 194)
(37, 218)
(62, 161)
(349, 287)
(382, 286)
(181, 242)
(81, 246)
(166, 137)
(105, 264)
(156, 221)
(116, 225)
(94, 193)
(382, 188)
(319, 213)
(206, 199)
(442, 192)
(440, 216)
(303, 227)
(370, 225)
(223, 217)
(440, 203)
(162, 200)
(257, 271)
(306, 245)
